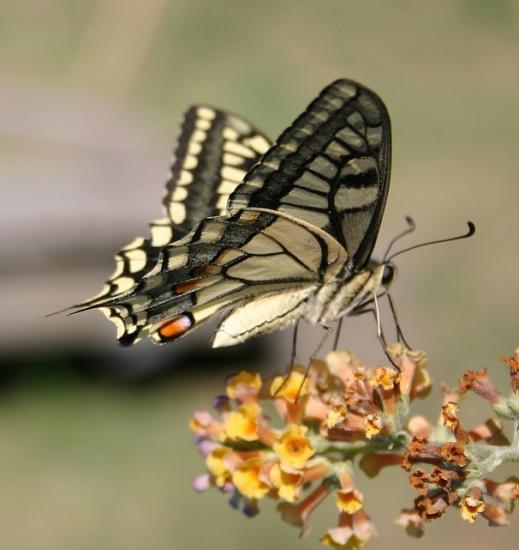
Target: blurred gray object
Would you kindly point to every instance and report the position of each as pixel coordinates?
(79, 180)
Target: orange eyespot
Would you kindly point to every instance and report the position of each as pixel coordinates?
(175, 328)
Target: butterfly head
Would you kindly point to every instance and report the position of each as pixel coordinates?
(382, 274)
(388, 272)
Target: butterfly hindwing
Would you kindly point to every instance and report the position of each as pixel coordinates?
(264, 314)
(215, 150)
(228, 263)
(330, 168)
(132, 262)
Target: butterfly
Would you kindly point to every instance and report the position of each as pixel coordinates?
(265, 233)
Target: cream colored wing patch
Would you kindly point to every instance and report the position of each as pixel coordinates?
(263, 315)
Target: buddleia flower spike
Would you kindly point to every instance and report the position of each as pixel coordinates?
(341, 416)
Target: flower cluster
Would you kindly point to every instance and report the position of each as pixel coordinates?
(460, 459)
(295, 439)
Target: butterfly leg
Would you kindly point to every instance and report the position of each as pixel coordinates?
(399, 332)
(380, 332)
(362, 308)
(312, 356)
(294, 346)
(371, 306)
(292, 359)
(337, 334)
(323, 340)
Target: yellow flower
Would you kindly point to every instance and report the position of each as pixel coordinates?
(336, 414)
(203, 424)
(290, 388)
(449, 415)
(352, 533)
(248, 481)
(422, 381)
(414, 377)
(342, 539)
(384, 377)
(470, 507)
(287, 481)
(507, 492)
(294, 448)
(349, 501)
(243, 423)
(242, 383)
(373, 425)
(215, 462)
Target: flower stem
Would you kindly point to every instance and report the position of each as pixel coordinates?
(349, 449)
(486, 458)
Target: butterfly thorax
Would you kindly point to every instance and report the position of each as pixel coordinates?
(340, 297)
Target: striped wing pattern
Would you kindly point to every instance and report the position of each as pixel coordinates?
(132, 263)
(330, 168)
(215, 150)
(260, 267)
(267, 234)
(213, 153)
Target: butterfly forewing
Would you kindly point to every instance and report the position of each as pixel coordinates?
(231, 263)
(330, 168)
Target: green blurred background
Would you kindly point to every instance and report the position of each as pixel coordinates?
(94, 446)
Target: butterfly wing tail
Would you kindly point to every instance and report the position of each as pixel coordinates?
(132, 263)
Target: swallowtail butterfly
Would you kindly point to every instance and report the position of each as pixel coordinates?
(266, 233)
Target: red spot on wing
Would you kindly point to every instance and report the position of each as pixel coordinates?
(175, 327)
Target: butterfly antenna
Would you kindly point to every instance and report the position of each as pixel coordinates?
(469, 233)
(60, 311)
(410, 229)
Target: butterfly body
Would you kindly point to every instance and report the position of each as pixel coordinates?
(341, 297)
(267, 233)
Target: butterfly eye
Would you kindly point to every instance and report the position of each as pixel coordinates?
(388, 274)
